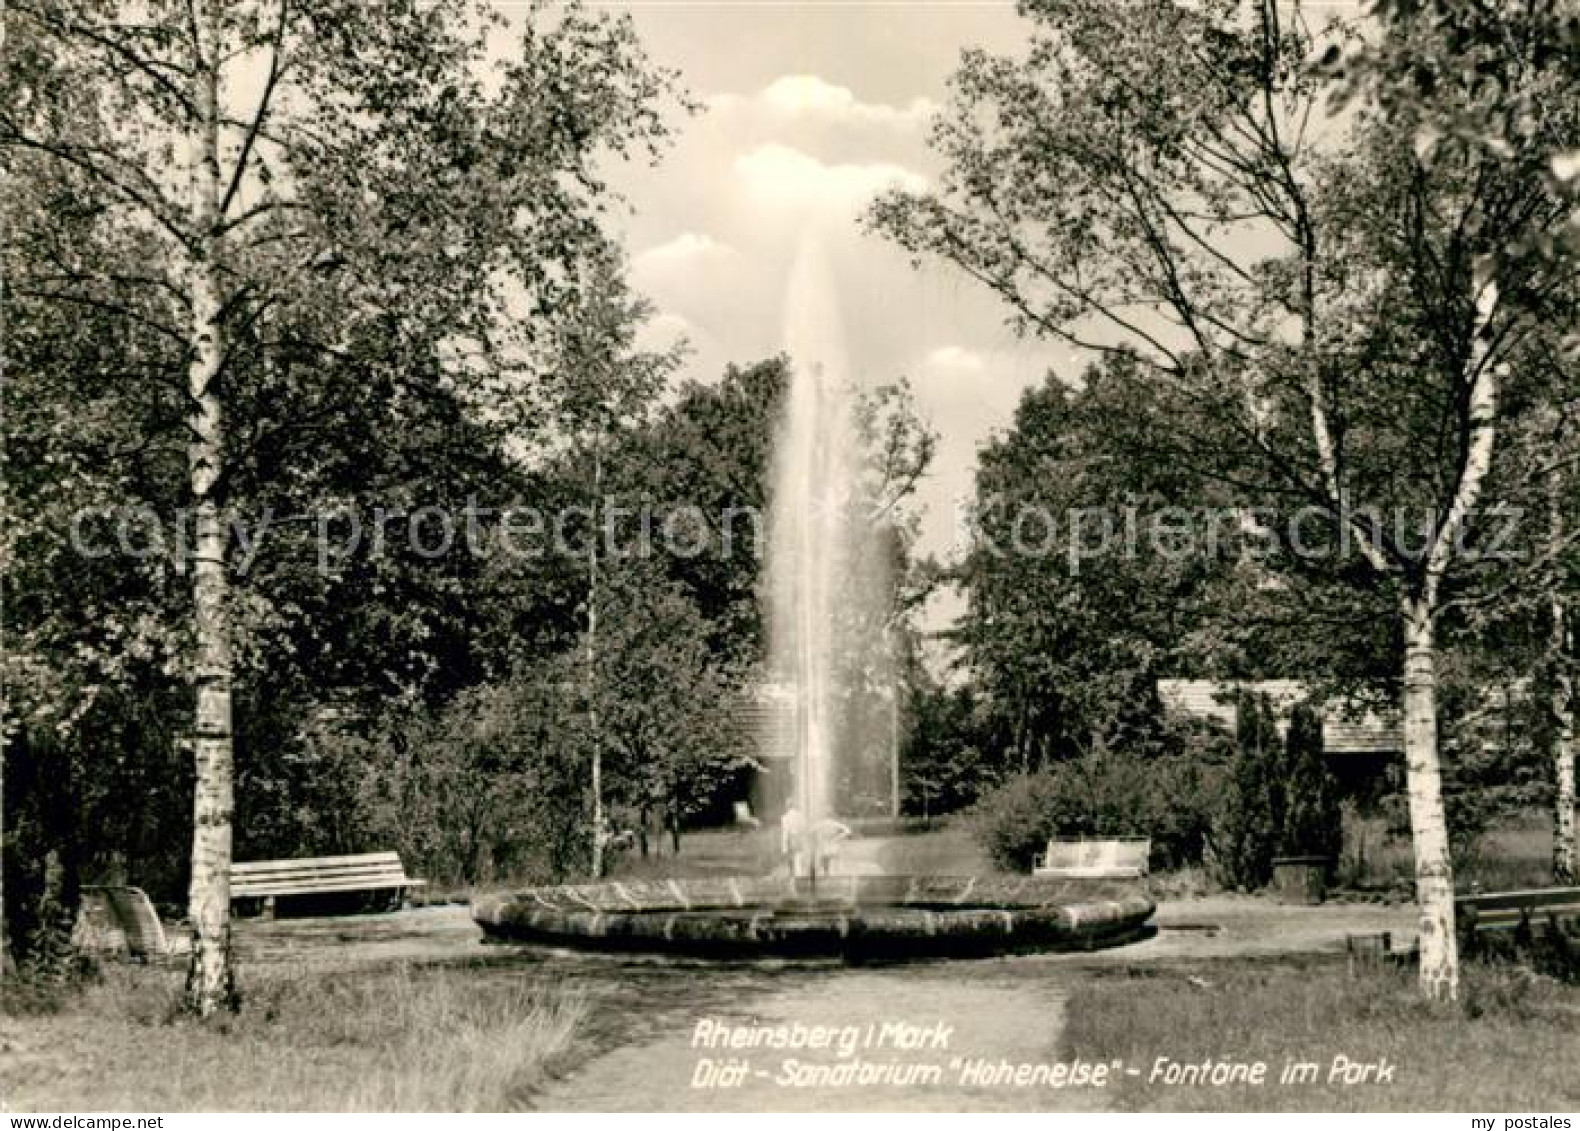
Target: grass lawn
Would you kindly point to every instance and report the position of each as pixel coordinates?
(1517, 854)
(1513, 1044)
(401, 1039)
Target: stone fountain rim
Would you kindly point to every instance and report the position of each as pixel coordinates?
(904, 916)
(932, 892)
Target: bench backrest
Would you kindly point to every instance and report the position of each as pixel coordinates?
(318, 874)
(1129, 853)
(1534, 899)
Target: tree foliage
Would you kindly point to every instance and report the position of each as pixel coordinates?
(1341, 311)
(236, 299)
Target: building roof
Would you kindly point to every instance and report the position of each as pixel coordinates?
(766, 714)
(1347, 728)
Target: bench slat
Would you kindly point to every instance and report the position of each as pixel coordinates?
(364, 878)
(1515, 900)
(317, 874)
(1498, 919)
(310, 889)
(317, 861)
(1537, 914)
(1503, 910)
(327, 873)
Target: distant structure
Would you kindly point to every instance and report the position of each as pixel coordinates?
(765, 716)
(1364, 745)
(1364, 742)
(1346, 729)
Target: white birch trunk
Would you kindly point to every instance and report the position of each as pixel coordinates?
(592, 673)
(1561, 691)
(210, 981)
(1566, 865)
(1434, 870)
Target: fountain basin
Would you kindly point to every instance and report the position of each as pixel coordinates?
(837, 916)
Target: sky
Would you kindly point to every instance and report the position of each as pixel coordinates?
(810, 110)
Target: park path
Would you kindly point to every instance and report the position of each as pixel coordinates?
(996, 1019)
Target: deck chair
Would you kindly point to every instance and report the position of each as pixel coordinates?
(97, 930)
(145, 934)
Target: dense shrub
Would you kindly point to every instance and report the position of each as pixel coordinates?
(492, 787)
(1281, 797)
(1103, 794)
(1248, 823)
(1313, 824)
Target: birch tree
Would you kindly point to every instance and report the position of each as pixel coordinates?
(331, 170)
(1336, 302)
(1561, 691)
(1511, 67)
(600, 386)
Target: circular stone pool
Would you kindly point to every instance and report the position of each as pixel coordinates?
(838, 916)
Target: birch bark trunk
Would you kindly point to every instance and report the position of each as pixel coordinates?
(592, 671)
(1434, 870)
(210, 980)
(1561, 702)
(1566, 866)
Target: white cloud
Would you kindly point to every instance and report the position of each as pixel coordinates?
(954, 358)
(668, 327)
(810, 97)
(784, 177)
(684, 247)
(671, 272)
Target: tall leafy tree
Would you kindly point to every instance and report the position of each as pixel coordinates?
(320, 182)
(602, 387)
(1077, 605)
(1249, 825)
(662, 689)
(1313, 824)
(1345, 315)
(709, 453)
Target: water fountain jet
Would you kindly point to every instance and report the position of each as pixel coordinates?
(827, 592)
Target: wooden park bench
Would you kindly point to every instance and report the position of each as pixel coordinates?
(1123, 858)
(1507, 910)
(321, 875)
